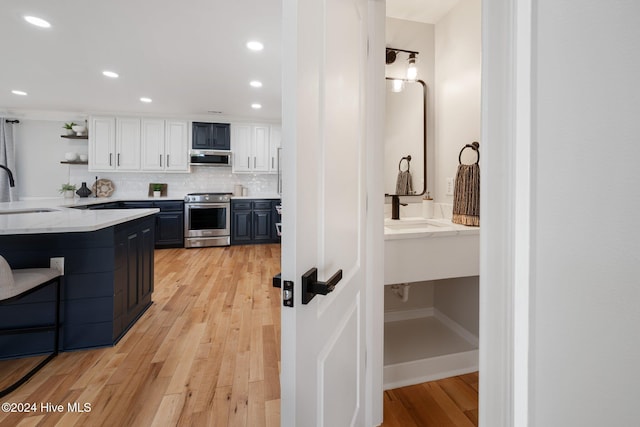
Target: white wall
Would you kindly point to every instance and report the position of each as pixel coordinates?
(457, 99)
(39, 150)
(585, 278)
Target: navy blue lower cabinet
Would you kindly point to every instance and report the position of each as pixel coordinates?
(252, 221)
(107, 285)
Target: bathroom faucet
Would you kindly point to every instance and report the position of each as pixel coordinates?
(395, 206)
(12, 183)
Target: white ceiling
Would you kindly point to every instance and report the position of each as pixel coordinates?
(428, 11)
(188, 56)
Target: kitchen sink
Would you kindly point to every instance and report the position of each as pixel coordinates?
(411, 223)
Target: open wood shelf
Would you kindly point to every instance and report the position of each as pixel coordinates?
(74, 163)
(75, 136)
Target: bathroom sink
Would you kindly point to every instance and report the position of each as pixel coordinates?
(25, 211)
(411, 223)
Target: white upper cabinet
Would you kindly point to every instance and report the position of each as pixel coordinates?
(250, 147)
(165, 145)
(176, 146)
(127, 144)
(134, 144)
(153, 145)
(275, 139)
(102, 143)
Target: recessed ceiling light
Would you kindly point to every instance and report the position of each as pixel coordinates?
(110, 74)
(144, 99)
(38, 22)
(256, 106)
(255, 45)
(255, 83)
(19, 92)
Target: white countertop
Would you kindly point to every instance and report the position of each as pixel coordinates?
(62, 218)
(418, 227)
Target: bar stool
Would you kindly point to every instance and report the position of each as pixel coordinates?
(15, 284)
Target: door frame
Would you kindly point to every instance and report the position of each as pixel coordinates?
(506, 194)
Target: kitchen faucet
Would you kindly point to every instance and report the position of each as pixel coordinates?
(12, 183)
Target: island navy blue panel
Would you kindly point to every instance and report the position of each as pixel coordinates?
(94, 286)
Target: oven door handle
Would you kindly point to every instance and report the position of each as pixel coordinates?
(205, 205)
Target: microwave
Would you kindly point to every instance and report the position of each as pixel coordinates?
(210, 158)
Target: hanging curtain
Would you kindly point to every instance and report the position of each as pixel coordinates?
(8, 159)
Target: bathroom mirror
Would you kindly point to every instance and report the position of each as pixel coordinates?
(405, 135)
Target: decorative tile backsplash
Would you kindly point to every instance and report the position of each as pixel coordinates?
(201, 179)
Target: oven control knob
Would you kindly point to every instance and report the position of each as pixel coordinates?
(206, 197)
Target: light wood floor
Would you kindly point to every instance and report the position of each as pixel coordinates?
(206, 353)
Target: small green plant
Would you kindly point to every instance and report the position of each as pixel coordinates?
(157, 187)
(67, 187)
(69, 125)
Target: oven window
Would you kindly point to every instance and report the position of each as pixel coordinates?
(208, 218)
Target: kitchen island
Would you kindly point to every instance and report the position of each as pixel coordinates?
(108, 272)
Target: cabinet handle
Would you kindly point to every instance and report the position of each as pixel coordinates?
(272, 162)
(167, 160)
(254, 162)
(160, 160)
(110, 159)
(118, 162)
(248, 164)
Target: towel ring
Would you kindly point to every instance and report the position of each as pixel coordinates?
(408, 159)
(475, 146)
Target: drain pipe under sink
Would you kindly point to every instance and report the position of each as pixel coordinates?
(402, 290)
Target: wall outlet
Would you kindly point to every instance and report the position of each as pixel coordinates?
(58, 264)
(450, 184)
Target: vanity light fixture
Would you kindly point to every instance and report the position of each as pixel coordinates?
(255, 83)
(145, 99)
(255, 45)
(256, 106)
(38, 22)
(19, 92)
(110, 74)
(412, 70)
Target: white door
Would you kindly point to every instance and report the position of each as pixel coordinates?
(324, 211)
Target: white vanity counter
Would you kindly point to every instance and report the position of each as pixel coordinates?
(57, 216)
(417, 249)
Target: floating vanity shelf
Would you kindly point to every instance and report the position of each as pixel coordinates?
(64, 162)
(75, 136)
(425, 345)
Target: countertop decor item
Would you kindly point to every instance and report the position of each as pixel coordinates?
(466, 193)
(427, 206)
(156, 186)
(70, 156)
(83, 191)
(103, 188)
(67, 190)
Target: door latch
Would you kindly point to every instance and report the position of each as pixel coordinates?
(287, 289)
(311, 287)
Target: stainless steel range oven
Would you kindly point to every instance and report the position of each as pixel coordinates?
(207, 220)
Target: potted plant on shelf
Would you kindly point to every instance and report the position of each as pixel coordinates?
(68, 127)
(68, 190)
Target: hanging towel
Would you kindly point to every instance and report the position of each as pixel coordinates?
(404, 186)
(466, 195)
